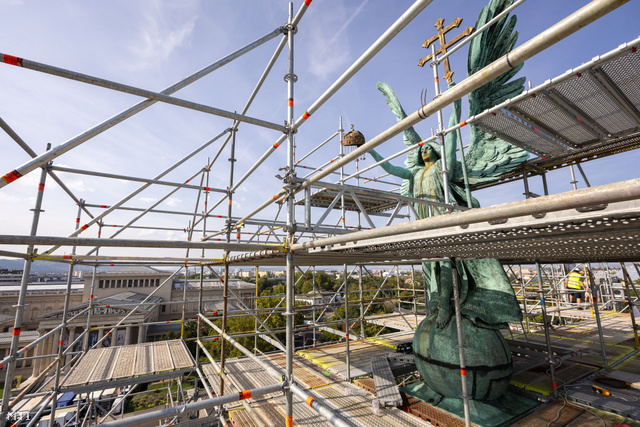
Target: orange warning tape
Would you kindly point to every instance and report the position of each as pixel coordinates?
(310, 400)
(12, 60)
(288, 421)
(244, 394)
(306, 115)
(11, 176)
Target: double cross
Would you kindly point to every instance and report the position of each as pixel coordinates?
(444, 45)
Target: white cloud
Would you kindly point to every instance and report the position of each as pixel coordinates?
(166, 28)
(173, 201)
(329, 56)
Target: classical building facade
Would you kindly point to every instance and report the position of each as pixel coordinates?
(127, 306)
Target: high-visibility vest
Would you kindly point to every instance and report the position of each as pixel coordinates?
(573, 280)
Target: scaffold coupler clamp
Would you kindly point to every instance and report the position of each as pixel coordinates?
(288, 27)
(290, 181)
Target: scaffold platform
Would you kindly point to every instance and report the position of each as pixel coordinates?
(354, 200)
(130, 364)
(353, 404)
(598, 232)
(589, 112)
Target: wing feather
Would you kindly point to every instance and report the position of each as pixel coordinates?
(489, 157)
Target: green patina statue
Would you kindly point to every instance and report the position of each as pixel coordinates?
(487, 299)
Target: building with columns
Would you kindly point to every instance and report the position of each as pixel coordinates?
(114, 295)
(112, 320)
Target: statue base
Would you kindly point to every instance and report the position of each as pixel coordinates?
(489, 413)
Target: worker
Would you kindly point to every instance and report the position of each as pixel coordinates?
(575, 286)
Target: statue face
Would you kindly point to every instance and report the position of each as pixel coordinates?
(429, 155)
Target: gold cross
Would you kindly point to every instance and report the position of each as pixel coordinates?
(444, 45)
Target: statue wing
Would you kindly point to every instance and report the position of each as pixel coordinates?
(488, 157)
(411, 137)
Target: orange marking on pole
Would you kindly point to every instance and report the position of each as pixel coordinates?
(435, 80)
(16, 332)
(275, 197)
(106, 306)
(66, 256)
(84, 227)
(463, 372)
(288, 421)
(11, 176)
(61, 343)
(310, 400)
(230, 202)
(12, 60)
(207, 189)
(276, 145)
(308, 2)
(41, 186)
(463, 124)
(306, 115)
(290, 102)
(103, 206)
(244, 394)
(421, 143)
(77, 220)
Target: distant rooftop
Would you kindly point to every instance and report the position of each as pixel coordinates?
(130, 270)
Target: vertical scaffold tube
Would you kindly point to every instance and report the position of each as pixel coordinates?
(627, 281)
(463, 366)
(225, 292)
(443, 156)
(546, 331)
(63, 335)
(346, 322)
(290, 292)
(596, 310)
(17, 327)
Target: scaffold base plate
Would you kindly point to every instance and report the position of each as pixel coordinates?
(492, 413)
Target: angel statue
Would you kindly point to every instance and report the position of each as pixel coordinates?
(487, 299)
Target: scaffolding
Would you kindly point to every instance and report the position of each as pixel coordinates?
(588, 225)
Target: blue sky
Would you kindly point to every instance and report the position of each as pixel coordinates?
(153, 44)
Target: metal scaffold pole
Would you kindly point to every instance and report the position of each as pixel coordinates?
(546, 331)
(63, 335)
(463, 367)
(225, 292)
(596, 310)
(346, 323)
(627, 282)
(290, 78)
(17, 327)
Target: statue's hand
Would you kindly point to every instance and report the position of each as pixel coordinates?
(444, 316)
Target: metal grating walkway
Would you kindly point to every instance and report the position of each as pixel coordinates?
(125, 364)
(585, 111)
(386, 388)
